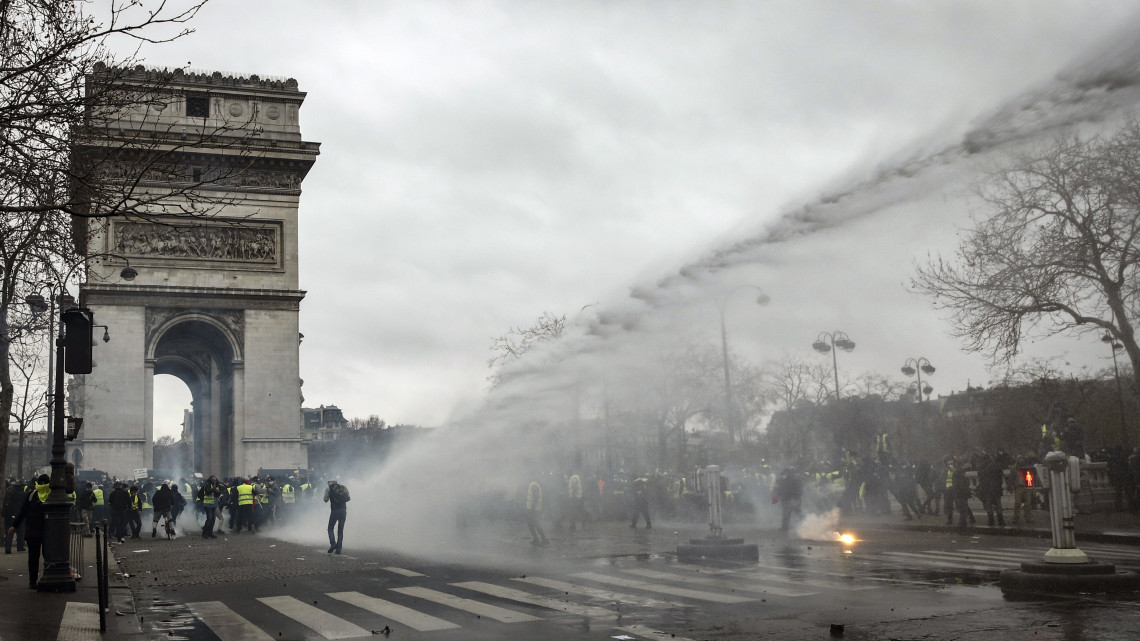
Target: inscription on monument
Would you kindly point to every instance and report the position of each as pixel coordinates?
(208, 242)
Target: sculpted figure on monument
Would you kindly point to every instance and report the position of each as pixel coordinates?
(249, 244)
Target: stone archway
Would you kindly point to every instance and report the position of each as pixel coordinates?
(204, 353)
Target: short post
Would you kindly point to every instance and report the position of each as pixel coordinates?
(716, 502)
(1064, 550)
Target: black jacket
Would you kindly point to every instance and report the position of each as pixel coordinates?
(32, 516)
(14, 499)
(161, 500)
(120, 500)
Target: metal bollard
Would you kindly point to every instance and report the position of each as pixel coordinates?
(1063, 472)
(716, 500)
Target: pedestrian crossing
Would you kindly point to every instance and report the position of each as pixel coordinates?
(417, 603)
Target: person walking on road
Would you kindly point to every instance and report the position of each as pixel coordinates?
(120, 502)
(337, 497)
(244, 507)
(208, 498)
(789, 492)
(162, 504)
(135, 513)
(31, 516)
(533, 511)
(641, 502)
(13, 500)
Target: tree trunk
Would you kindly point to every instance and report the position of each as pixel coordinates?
(7, 393)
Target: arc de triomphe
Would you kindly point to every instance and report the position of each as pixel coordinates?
(215, 301)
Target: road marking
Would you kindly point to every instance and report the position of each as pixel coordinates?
(80, 622)
(321, 622)
(503, 615)
(651, 633)
(969, 557)
(226, 623)
(534, 599)
(412, 618)
(946, 562)
(994, 556)
(403, 572)
(664, 589)
(617, 598)
(717, 583)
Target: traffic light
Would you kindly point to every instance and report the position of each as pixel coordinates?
(1029, 476)
(74, 424)
(79, 324)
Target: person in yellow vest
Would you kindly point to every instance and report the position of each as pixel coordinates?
(134, 516)
(245, 508)
(207, 498)
(288, 498)
(99, 509)
(306, 490)
(577, 502)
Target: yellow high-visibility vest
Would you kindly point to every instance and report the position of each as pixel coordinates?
(98, 496)
(287, 494)
(245, 494)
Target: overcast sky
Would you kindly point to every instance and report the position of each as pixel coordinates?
(484, 162)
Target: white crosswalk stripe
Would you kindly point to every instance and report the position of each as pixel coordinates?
(80, 622)
(407, 616)
(970, 558)
(617, 598)
(657, 635)
(699, 595)
(403, 572)
(226, 623)
(719, 583)
(946, 562)
(533, 599)
(502, 615)
(321, 622)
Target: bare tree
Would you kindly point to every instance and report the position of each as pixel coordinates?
(517, 341)
(83, 138)
(1060, 254)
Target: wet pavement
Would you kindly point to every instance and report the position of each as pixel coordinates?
(611, 582)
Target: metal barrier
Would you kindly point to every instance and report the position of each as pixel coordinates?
(75, 541)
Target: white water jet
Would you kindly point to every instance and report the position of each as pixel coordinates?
(529, 425)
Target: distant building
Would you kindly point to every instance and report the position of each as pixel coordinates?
(322, 423)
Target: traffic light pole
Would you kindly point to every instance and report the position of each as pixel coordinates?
(57, 576)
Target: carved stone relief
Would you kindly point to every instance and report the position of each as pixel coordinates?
(211, 177)
(210, 242)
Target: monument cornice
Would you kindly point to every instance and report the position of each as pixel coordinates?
(190, 297)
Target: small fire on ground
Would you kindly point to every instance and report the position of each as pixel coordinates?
(845, 538)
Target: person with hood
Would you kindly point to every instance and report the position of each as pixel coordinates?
(789, 492)
(13, 499)
(31, 516)
(120, 502)
(162, 503)
(337, 497)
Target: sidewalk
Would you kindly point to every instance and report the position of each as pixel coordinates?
(29, 615)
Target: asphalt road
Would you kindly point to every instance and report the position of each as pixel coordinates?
(609, 582)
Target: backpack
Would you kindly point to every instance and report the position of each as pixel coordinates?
(339, 494)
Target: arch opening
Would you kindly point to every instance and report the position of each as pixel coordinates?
(201, 355)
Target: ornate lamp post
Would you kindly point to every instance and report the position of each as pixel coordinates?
(72, 355)
(835, 340)
(729, 415)
(1114, 345)
(917, 367)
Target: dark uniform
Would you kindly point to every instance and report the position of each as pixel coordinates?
(31, 516)
(13, 499)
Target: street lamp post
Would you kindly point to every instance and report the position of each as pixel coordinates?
(836, 339)
(1113, 345)
(729, 415)
(39, 306)
(916, 367)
